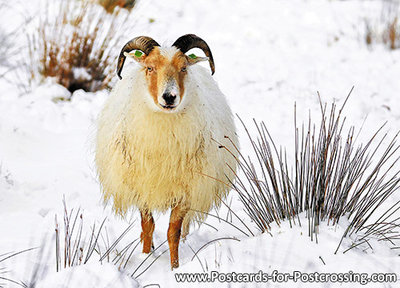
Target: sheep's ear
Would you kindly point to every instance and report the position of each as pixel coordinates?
(193, 59)
(136, 55)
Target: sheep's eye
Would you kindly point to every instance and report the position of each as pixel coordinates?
(183, 69)
(149, 69)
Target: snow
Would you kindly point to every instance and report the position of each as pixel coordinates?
(269, 55)
(88, 276)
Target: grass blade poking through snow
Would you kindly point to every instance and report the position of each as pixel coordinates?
(77, 250)
(3, 271)
(333, 176)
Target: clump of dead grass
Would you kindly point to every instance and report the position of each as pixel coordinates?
(75, 44)
(110, 5)
(332, 177)
(386, 30)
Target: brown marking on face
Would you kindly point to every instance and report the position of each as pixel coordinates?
(159, 69)
(179, 62)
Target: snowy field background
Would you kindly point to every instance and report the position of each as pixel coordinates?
(268, 55)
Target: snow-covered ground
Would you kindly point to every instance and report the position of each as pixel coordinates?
(269, 54)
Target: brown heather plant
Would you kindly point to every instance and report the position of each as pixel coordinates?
(75, 43)
(388, 30)
(392, 34)
(332, 177)
(110, 5)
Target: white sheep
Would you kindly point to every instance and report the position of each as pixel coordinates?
(166, 138)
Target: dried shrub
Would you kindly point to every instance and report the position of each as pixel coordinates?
(332, 177)
(75, 43)
(368, 33)
(109, 5)
(391, 35)
(386, 30)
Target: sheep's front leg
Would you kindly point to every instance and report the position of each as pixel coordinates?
(174, 233)
(146, 237)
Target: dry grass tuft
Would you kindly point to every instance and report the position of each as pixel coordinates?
(110, 5)
(76, 44)
(387, 29)
(392, 35)
(332, 177)
(74, 248)
(77, 244)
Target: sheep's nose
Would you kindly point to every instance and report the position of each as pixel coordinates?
(169, 98)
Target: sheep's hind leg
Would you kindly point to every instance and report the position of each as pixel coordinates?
(174, 232)
(146, 237)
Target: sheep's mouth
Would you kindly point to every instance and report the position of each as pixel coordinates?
(168, 107)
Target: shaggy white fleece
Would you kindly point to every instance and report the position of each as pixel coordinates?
(154, 160)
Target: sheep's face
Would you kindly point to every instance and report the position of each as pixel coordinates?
(165, 70)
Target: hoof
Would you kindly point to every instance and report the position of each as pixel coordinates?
(174, 265)
(147, 249)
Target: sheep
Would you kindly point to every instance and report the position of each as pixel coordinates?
(166, 138)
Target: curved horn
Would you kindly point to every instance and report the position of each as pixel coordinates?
(189, 41)
(143, 43)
